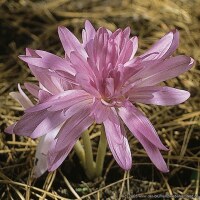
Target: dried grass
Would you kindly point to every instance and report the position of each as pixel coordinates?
(34, 24)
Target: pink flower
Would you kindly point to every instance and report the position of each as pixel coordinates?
(99, 80)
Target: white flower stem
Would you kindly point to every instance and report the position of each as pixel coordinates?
(101, 153)
(89, 161)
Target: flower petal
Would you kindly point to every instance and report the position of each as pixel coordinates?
(44, 96)
(153, 153)
(22, 98)
(51, 121)
(40, 159)
(141, 94)
(157, 72)
(24, 127)
(139, 124)
(49, 61)
(45, 79)
(80, 64)
(39, 123)
(100, 111)
(51, 80)
(164, 47)
(135, 46)
(70, 42)
(66, 96)
(160, 96)
(128, 50)
(72, 129)
(87, 84)
(48, 65)
(142, 129)
(118, 142)
(55, 158)
(10, 129)
(68, 135)
(42, 74)
(89, 33)
(42, 150)
(32, 88)
(71, 104)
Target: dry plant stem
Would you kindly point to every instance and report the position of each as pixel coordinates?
(101, 153)
(89, 161)
(80, 152)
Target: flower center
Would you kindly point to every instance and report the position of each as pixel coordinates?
(115, 102)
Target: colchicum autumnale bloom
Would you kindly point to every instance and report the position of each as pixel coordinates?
(98, 80)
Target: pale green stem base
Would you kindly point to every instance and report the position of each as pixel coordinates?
(80, 152)
(89, 161)
(101, 153)
(85, 154)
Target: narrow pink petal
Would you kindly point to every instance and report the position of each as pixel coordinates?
(64, 96)
(32, 88)
(88, 33)
(135, 46)
(145, 134)
(73, 128)
(90, 48)
(55, 158)
(10, 129)
(40, 106)
(51, 121)
(129, 70)
(101, 54)
(42, 150)
(164, 47)
(25, 101)
(37, 124)
(57, 62)
(87, 84)
(110, 87)
(70, 42)
(140, 94)
(91, 51)
(118, 142)
(49, 78)
(66, 139)
(60, 82)
(22, 98)
(116, 33)
(158, 72)
(71, 103)
(28, 122)
(126, 33)
(43, 75)
(139, 124)
(76, 108)
(126, 53)
(128, 50)
(67, 79)
(43, 96)
(100, 111)
(153, 153)
(80, 64)
(50, 61)
(163, 96)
